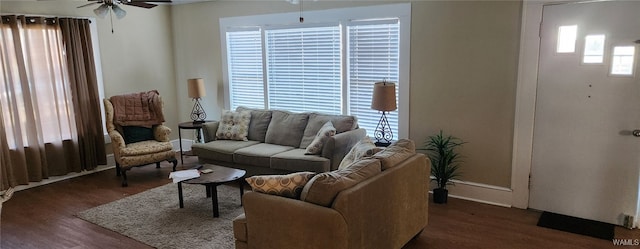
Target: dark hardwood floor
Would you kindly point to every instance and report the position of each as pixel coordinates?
(44, 217)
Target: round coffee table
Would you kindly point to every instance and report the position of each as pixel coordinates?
(220, 175)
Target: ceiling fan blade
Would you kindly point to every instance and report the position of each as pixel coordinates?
(141, 4)
(89, 4)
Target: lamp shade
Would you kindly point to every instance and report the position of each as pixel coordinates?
(384, 96)
(101, 11)
(196, 88)
(119, 12)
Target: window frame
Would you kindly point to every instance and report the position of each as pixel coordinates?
(343, 15)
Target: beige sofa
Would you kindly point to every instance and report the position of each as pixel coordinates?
(277, 141)
(383, 211)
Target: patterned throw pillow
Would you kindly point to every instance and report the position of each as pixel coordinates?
(326, 131)
(364, 148)
(234, 125)
(290, 185)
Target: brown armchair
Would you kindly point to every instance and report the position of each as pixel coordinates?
(140, 153)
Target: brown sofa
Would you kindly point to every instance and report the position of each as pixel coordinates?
(383, 211)
(277, 141)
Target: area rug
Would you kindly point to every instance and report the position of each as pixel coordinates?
(153, 217)
(570, 224)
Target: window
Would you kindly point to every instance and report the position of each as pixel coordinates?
(622, 61)
(303, 68)
(567, 39)
(327, 64)
(244, 55)
(593, 49)
(373, 57)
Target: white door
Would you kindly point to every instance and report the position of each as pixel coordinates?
(585, 159)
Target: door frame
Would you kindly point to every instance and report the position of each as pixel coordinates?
(526, 88)
(526, 99)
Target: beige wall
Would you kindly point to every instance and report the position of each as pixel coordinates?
(463, 70)
(463, 65)
(138, 56)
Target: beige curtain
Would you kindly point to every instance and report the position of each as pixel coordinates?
(42, 133)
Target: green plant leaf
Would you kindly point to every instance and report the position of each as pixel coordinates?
(445, 161)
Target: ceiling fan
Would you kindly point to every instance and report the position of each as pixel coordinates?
(112, 5)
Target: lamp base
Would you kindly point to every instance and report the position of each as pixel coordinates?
(382, 144)
(197, 114)
(383, 133)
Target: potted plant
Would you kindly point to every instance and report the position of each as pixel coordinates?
(445, 162)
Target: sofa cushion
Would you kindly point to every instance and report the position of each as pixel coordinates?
(396, 153)
(259, 154)
(327, 130)
(260, 120)
(209, 130)
(296, 160)
(290, 185)
(234, 125)
(342, 123)
(324, 187)
(220, 150)
(286, 128)
(363, 148)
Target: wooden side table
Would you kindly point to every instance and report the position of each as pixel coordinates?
(189, 126)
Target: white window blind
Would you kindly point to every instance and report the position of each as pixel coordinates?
(244, 58)
(304, 69)
(373, 56)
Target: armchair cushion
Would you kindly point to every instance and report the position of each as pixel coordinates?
(133, 134)
(145, 148)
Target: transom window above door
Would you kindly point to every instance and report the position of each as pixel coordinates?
(622, 57)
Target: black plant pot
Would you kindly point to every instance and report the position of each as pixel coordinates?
(440, 195)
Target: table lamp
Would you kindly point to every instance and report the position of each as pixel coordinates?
(196, 91)
(384, 100)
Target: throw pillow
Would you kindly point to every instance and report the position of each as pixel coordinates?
(323, 188)
(290, 185)
(324, 133)
(342, 123)
(134, 134)
(234, 125)
(363, 148)
(396, 153)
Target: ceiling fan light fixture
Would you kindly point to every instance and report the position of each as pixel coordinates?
(101, 11)
(120, 13)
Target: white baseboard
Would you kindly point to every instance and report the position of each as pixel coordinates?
(478, 192)
(186, 144)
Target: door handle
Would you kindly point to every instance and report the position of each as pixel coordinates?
(636, 133)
